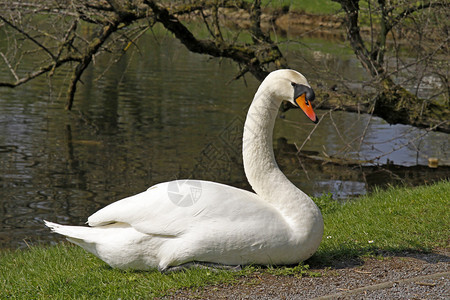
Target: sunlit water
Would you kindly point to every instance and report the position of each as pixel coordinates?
(158, 115)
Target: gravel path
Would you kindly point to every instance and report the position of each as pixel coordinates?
(403, 276)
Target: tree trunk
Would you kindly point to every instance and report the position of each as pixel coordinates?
(396, 105)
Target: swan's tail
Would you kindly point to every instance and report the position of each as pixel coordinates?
(79, 235)
(75, 232)
(117, 244)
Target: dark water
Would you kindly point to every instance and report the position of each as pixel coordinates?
(162, 114)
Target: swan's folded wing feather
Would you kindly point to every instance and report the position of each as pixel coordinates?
(154, 211)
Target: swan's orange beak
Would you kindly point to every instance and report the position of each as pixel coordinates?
(305, 105)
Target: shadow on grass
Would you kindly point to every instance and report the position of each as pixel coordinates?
(349, 258)
(342, 258)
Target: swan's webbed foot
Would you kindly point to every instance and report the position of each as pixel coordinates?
(201, 265)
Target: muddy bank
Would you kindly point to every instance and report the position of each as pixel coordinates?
(288, 23)
(294, 23)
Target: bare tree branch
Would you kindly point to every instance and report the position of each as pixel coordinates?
(28, 36)
(9, 66)
(253, 57)
(394, 103)
(87, 58)
(410, 10)
(39, 72)
(113, 26)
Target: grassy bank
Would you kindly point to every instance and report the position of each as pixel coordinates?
(395, 220)
(313, 7)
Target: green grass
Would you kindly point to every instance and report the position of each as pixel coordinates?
(320, 7)
(399, 219)
(68, 272)
(394, 220)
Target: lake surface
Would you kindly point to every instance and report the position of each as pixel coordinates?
(164, 113)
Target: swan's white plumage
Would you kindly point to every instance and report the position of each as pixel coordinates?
(278, 225)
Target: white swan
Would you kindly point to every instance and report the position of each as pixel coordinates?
(178, 222)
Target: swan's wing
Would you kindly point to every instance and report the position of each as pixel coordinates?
(172, 208)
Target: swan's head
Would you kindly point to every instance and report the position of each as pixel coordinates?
(291, 86)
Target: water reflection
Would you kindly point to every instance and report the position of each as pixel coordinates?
(162, 114)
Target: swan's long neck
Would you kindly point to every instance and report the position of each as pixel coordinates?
(261, 169)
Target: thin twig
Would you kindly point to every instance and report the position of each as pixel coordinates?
(310, 134)
(367, 126)
(339, 132)
(9, 66)
(66, 41)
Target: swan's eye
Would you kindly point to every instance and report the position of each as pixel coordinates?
(293, 84)
(300, 89)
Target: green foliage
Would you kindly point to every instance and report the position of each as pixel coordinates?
(398, 219)
(321, 7)
(327, 204)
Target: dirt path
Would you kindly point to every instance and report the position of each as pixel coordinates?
(403, 276)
